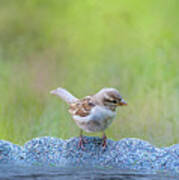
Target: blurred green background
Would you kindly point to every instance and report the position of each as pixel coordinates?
(85, 45)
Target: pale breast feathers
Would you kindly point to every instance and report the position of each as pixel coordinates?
(82, 108)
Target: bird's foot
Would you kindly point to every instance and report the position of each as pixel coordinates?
(81, 143)
(104, 141)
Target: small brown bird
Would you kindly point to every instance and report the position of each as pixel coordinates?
(92, 113)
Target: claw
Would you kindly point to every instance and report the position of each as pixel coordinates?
(81, 143)
(104, 141)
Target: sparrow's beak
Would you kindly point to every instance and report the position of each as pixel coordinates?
(122, 103)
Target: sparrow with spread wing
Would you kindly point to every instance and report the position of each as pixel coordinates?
(92, 113)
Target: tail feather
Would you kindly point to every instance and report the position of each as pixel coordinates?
(64, 94)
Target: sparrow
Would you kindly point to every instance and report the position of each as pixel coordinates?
(92, 113)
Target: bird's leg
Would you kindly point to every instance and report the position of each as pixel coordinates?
(81, 141)
(104, 140)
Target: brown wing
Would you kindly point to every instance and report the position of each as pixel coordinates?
(82, 107)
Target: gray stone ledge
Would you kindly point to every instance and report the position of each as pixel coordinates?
(129, 153)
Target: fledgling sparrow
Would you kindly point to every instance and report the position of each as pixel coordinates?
(92, 113)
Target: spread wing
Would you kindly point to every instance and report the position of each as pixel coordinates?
(82, 107)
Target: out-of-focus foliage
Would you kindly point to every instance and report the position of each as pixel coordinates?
(85, 45)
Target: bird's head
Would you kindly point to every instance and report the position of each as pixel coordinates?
(110, 98)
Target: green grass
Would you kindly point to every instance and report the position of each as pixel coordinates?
(85, 46)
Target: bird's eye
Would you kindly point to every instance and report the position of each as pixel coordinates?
(114, 101)
(111, 101)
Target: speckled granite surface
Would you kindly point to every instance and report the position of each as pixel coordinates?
(129, 153)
